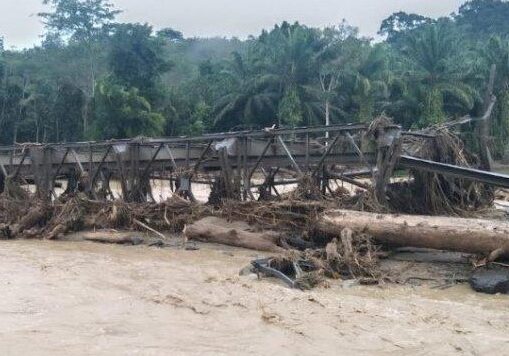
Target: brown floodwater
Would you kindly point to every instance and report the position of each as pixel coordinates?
(81, 298)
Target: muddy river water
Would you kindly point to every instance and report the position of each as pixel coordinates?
(81, 298)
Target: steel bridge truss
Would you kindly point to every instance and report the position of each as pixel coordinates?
(244, 165)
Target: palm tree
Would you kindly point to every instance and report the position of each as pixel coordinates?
(287, 56)
(247, 101)
(437, 69)
(370, 82)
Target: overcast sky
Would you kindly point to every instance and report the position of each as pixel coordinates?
(21, 27)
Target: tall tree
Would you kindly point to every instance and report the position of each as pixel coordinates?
(81, 21)
(335, 61)
(370, 81)
(170, 35)
(136, 58)
(287, 56)
(3, 82)
(496, 52)
(484, 18)
(399, 24)
(424, 72)
(250, 100)
(437, 69)
(123, 113)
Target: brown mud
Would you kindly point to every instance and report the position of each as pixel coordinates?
(82, 298)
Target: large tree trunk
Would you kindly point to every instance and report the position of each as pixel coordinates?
(239, 234)
(442, 233)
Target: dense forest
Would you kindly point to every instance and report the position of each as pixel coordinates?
(94, 78)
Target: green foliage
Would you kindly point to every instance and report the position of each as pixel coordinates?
(199, 119)
(484, 18)
(287, 58)
(67, 107)
(438, 68)
(135, 58)
(123, 113)
(94, 78)
(290, 109)
(496, 52)
(371, 82)
(400, 23)
(250, 97)
(171, 35)
(501, 126)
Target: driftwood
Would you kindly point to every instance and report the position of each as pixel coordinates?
(57, 231)
(111, 237)
(239, 234)
(145, 226)
(33, 217)
(476, 236)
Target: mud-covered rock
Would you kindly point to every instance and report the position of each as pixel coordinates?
(490, 280)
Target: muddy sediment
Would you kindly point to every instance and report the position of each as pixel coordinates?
(159, 294)
(62, 298)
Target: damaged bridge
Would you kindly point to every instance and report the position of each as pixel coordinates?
(238, 165)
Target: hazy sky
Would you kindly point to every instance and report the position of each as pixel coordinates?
(21, 27)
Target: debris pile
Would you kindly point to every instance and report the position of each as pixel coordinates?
(312, 237)
(35, 218)
(352, 256)
(432, 193)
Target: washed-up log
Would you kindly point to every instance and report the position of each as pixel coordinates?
(239, 234)
(111, 237)
(442, 233)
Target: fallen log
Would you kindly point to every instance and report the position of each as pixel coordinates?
(238, 234)
(111, 237)
(442, 233)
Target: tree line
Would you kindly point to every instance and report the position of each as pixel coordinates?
(94, 78)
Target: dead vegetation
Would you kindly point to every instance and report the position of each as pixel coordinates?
(351, 256)
(434, 194)
(33, 218)
(294, 219)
